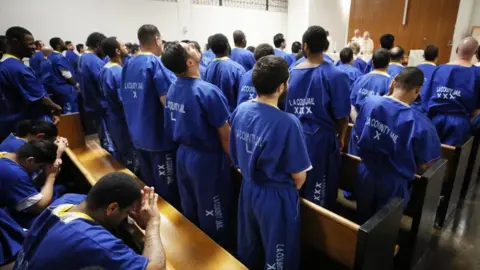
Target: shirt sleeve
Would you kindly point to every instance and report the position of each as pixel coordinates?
(96, 68)
(427, 147)
(109, 252)
(295, 151)
(30, 87)
(161, 80)
(64, 67)
(22, 194)
(216, 107)
(339, 93)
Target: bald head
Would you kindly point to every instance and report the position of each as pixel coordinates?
(46, 51)
(467, 48)
(396, 53)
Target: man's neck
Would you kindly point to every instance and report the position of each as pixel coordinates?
(117, 60)
(82, 208)
(396, 62)
(191, 73)
(462, 61)
(315, 59)
(269, 100)
(400, 95)
(221, 55)
(16, 54)
(239, 46)
(149, 49)
(381, 70)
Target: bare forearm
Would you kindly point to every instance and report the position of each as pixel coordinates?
(47, 102)
(71, 81)
(342, 125)
(153, 248)
(299, 179)
(353, 114)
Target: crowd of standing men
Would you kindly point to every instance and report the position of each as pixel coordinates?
(181, 120)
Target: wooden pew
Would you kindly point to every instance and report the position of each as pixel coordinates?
(458, 159)
(419, 214)
(473, 168)
(329, 236)
(186, 246)
(369, 246)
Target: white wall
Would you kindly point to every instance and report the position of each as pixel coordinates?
(467, 12)
(298, 20)
(333, 15)
(75, 20)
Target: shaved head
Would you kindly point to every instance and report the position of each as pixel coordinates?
(46, 51)
(396, 53)
(467, 48)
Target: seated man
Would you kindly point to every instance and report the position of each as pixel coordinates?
(27, 131)
(450, 97)
(247, 90)
(346, 58)
(19, 195)
(394, 141)
(395, 65)
(223, 72)
(269, 203)
(70, 236)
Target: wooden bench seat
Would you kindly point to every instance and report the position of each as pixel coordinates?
(418, 220)
(186, 246)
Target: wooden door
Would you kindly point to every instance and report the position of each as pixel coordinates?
(427, 22)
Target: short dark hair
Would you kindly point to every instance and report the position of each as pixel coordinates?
(44, 151)
(278, 39)
(327, 45)
(269, 73)
(262, 50)
(296, 47)
(3, 44)
(79, 47)
(146, 33)
(26, 127)
(197, 45)
(478, 51)
(55, 42)
(409, 79)
(381, 58)
(238, 37)
(396, 53)
(175, 58)
(16, 33)
(251, 48)
(110, 46)
(387, 41)
(37, 43)
(315, 38)
(346, 55)
(134, 48)
(68, 42)
(431, 53)
(95, 39)
(219, 43)
(116, 187)
(128, 45)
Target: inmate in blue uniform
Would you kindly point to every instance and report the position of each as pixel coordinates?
(11, 144)
(72, 57)
(358, 63)
(393, 139)
(194, 112)
(226, 75)
(328, 58)
(318, 96)
(207, 57)
(280, 53)
(11, 238)
(45, 76)
(374, 83)
(66, 92)
(369, 67)
(247, 90)
(17, 191)
(144, 81)
(94, 103)
(449, 99)
(394, 68)
(268, 145)
(301, 60)
(109, 82)
(78, 241)
(427, 68)
(291, 59)
(36, 60)
(352, 72)
(20, 94)
(244, 57)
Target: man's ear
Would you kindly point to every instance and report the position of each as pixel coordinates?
(30, 160)
(111, 209)
(40, 136)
